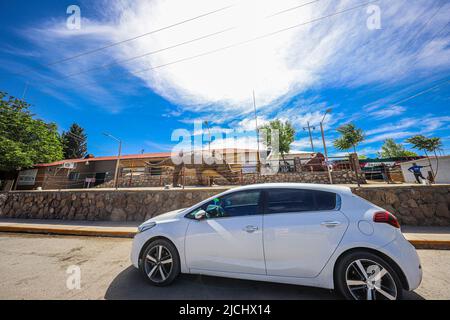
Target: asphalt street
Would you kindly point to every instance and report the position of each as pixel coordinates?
(36, 266)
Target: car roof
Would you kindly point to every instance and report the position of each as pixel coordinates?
(309, 186)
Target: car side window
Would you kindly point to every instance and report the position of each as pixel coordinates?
(326, 200)
(298, 200)
(237, 204)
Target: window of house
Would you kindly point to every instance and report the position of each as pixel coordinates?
(155, 171)
(74, 176)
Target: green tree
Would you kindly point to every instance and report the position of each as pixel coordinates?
(390, 149)
(25, 141)
(350, 137)
(74, 142)
(286, 135)
(427, 145)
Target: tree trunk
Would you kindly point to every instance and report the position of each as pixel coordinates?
(429, 162)
(437, 166)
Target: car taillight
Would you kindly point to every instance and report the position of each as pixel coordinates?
(386, 217)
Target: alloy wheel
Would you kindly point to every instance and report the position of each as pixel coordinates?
(368, 280)
(158, 263)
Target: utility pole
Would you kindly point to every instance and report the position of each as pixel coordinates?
(324, 144)
(309, 128)
(258, 157)
(206, 123)
(116, 173)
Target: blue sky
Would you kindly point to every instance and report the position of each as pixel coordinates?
(330, 59)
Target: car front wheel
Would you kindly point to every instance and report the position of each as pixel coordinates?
(160, 263)
(366, 276)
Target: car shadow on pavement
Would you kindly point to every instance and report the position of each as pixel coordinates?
(130, 285)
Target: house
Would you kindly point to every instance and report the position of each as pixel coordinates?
(82, 173)
(92, 171)
(441, 164)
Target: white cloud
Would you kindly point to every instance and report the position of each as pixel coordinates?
(390, 135)
(388, 112)
(337, 51)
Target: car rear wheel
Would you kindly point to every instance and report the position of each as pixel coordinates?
(366, 276)
(160, 263)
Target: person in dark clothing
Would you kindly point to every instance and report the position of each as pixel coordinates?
(416, 170)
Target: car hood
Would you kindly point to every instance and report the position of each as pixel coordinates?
(167, 216)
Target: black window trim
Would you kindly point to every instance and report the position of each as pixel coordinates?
(265, 198)
(260, 205)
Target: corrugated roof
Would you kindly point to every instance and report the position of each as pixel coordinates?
(108, 158)
(129, 157)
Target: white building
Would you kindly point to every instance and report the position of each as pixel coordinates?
(443, 173)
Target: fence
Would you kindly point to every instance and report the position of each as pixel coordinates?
(311, 170)
(314, 170)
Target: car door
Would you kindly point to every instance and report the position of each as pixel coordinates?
(302, 229)
(229, 238)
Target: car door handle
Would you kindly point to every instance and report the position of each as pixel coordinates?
(330, 224)
(251, 229)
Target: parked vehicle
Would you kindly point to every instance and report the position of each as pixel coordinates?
(305, 234)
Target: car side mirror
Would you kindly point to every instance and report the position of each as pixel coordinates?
(200, 215)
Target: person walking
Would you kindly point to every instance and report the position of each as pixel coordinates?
(416, 170)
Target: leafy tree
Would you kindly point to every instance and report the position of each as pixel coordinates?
(350, 137)
(74, 142)
(390, 149)
(427, 145)
(25, 141)
(286, 135)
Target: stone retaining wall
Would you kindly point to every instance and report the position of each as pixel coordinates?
(145, 181)
(98, 205)
(413, 205)
(339, 177)
(419, 206)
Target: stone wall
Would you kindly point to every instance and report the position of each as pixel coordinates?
(98, 205)
(420, 205)
(412, 205)
(339, 177)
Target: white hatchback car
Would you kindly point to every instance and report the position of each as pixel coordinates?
(306, 234)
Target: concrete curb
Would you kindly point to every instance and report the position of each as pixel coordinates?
(129, 232)
(71, 231)
(431, 244)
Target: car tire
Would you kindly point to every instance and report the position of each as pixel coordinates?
(363, 275)
(160, 263)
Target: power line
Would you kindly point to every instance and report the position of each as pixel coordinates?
(420, 93)
(129, 39)
(415, 37)
(291, 9)
(106, 66)
(439, 32)
(248, 40)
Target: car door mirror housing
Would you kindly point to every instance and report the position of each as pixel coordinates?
(200, 215)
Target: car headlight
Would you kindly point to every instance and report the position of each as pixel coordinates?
(146, 226)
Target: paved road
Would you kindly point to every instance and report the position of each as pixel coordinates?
(34, 267)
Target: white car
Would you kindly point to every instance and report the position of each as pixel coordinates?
(305, 234)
